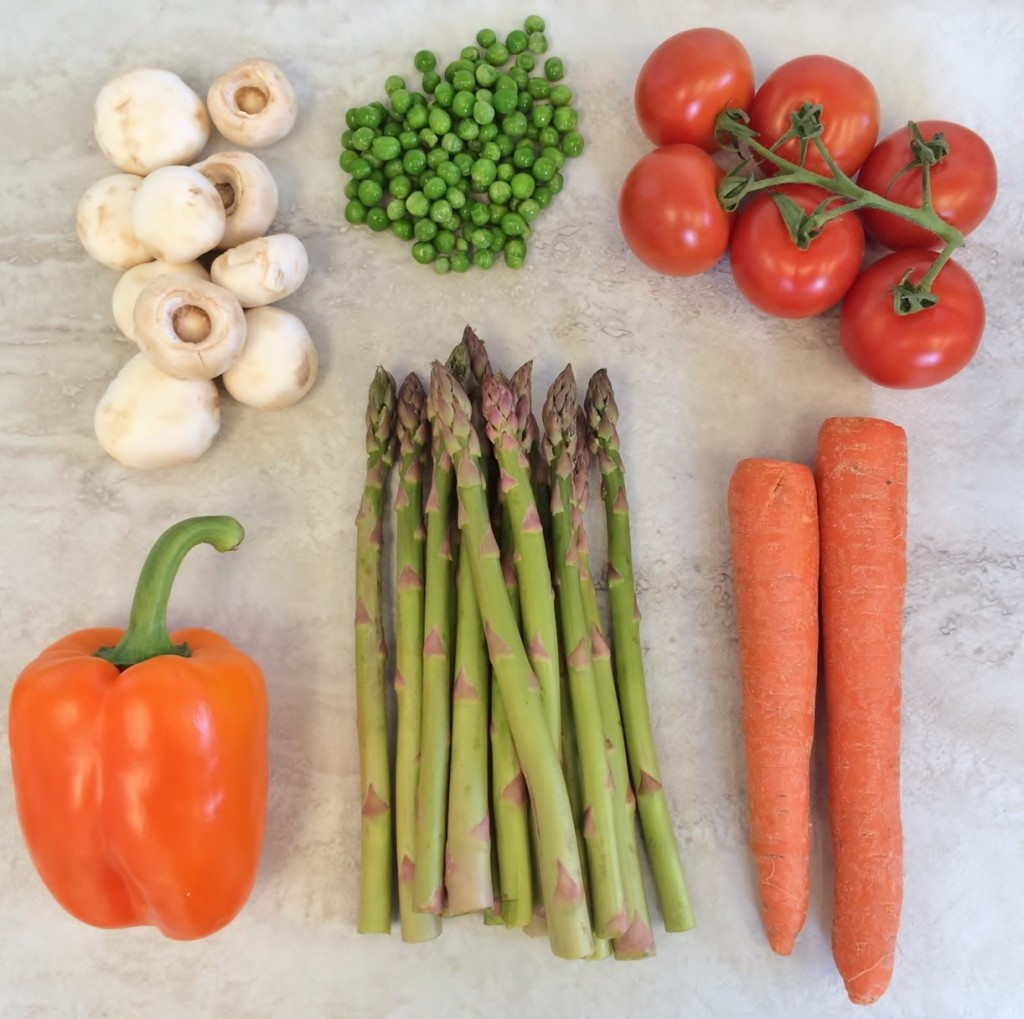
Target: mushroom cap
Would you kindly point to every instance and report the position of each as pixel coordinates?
(279, 363)
(263, 270)
(248, 192)
(147, 419)
(253, 104)
(103, 222)
(130, 285)
(188, 327)
(178, 214)
(147, 118)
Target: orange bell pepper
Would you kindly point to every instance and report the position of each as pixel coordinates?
(140, 761)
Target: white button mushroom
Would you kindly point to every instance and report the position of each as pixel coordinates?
(188, 327)
(248, 191)
(148, 118)
(130, 285)
(279, 363)
(104, 223)
(253, 104)
(263, 270)
(146, 419)
(178, 214)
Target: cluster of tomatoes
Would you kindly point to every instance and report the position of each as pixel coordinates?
(673, 220)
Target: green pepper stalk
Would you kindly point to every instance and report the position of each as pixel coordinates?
(438, 612)
(376, 853)
(732, 128)
(638, 940)
(412, 434)
(560, 440)
(146, 636)
(659, 837)
(561, 878)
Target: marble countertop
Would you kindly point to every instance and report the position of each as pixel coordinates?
(702, 381)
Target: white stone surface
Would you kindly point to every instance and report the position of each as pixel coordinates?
(702, 381)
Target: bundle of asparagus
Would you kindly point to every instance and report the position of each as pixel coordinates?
(524, 748)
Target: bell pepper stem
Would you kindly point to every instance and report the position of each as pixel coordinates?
(146, 636)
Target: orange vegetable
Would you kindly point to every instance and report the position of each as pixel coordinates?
(140, 762)
(774, 523)
(861, 473)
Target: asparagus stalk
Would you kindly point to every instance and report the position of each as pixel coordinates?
(558, 854)
(412, 434)
(638, 940)
(468, 872)
(438, 613)
(375, 850)
(560, 441)
(659, 837)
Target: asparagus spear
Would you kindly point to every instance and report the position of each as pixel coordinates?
(560, 440)
(412, 435)
(638, 940)
(432, 789)
(659, 837)
(375, 850)
(468, 871)
(558, 853)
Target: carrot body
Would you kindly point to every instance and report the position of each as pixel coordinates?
(774, 523)
(861, 474)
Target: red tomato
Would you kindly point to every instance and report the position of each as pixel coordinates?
(687, 81)
(916, 350)
(669, 211)
(849, 116)
(782, 279)
(963, 184)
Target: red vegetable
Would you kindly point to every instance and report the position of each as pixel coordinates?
(849, 110)
(687, 81)
(918, 349)
(669, 211)
(779, 277)
(963, 183)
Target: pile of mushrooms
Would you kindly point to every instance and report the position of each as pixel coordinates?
(201, 271)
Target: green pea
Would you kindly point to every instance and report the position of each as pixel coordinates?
(424, 60)
(469, 53)
(408, 140)
(368, 116)
(378, 177)
(385, 147)
(565, 119)
(486, 37)
(483, 259)
(428, 138)
(361, 169)
(362, 138)
(430, 82)
(512, 224)
(479, 215)
(448, 172)
(529, 209)
(346, 159)
(505, 101)
(495, 212)
(351, 117)
(444, 241)
(480, 238)
(463, 80)
(455, 198)
(402, 229)
(468, 130)
(538, 88)
(351, 190)
(444, 94)
(392, 129)
(537, 42)
(496, 54)
(355, 212)
(456, 65)
(526, 60)
(519, 76)
(417, 204)
(442, 265)
(557, 183)
(499, 192)
(507, 82)
(505, 144)
(515, 253)
(483, 113)
(548, 136)
(416, 118)
(451, 143)
(515, 41)
(542, 196)
(483, 173)
(555, 155)
(377, 220)
(395, 209)
(464, 161)
(462, 103)
(392, 168)
(498, 239)
(488, 132)
(540, 116)
(534, 23)
(440, 210)
(346, 138)
(486, 75)
(423, 252)
(544, 169)
(515, 124)
(460, 261)
(393, 82)
(439, 121)
(424, 229)
(372, 161)
(370, 193)
(506, 171)
(572, 143)
(400, 187)
(561, 95)
(414, 162)
(523, 157)
(434, 187)
(522, 185)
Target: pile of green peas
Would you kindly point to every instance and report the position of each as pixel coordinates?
(463, 167)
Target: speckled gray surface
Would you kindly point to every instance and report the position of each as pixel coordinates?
(702, 380)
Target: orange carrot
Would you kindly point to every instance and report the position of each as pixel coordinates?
(774, 523)
(861, 473)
